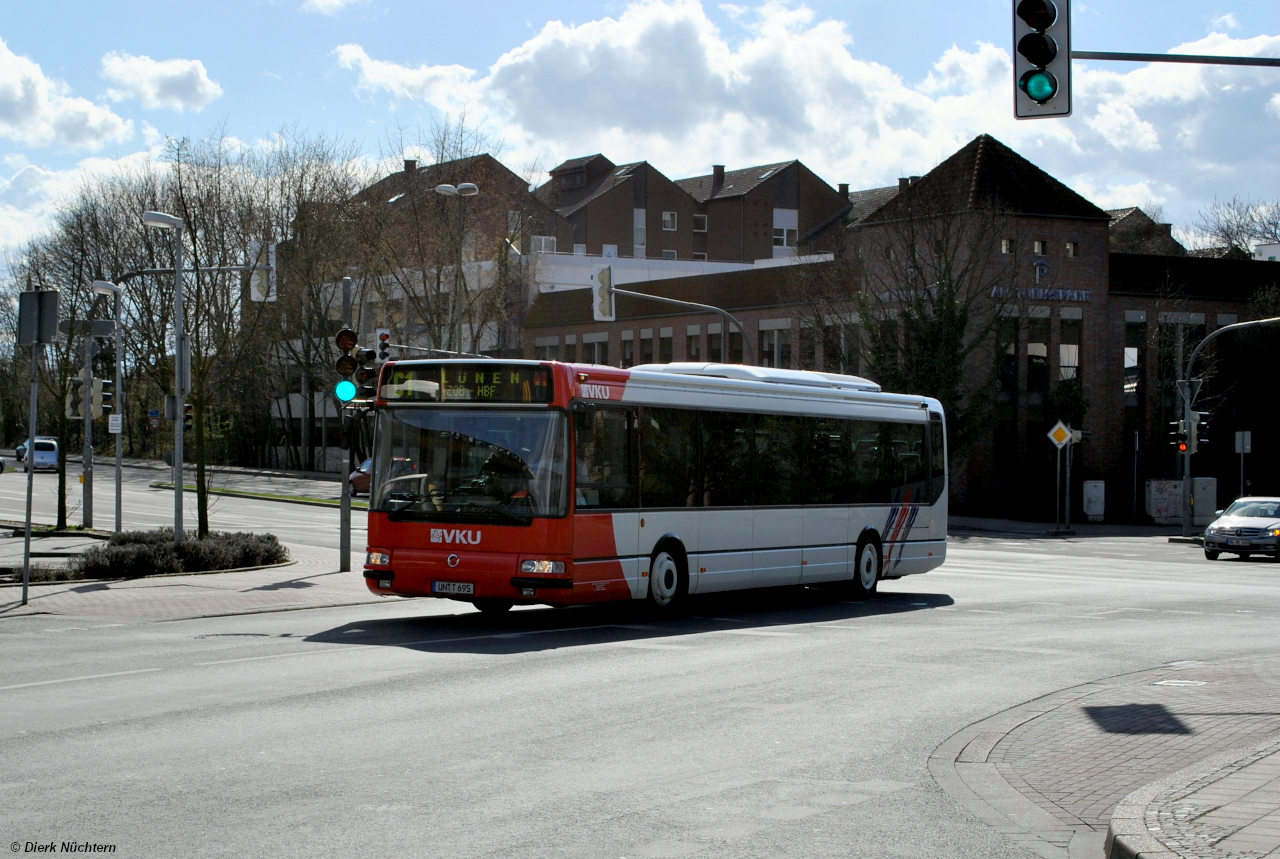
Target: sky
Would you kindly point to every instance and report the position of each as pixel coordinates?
(862, 91)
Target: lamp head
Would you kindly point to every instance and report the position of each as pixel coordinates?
(161, 220)
(105, 287)
(467, 189)
(447, 190)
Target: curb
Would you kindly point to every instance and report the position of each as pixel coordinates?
(288, 563)
(1129, 835)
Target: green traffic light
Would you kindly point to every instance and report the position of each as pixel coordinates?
(1039, 85)
(345, 390)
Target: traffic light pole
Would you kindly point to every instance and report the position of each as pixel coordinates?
(344, 506)
(117, 404)
(86, 406)
(1184, 388)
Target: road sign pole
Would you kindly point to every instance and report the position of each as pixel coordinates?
(1066, 496)
(31, 472)
(118, 406)
(1057, 513)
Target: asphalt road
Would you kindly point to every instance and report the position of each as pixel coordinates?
(145, 507)
(774, 724)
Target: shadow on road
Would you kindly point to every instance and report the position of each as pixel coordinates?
(553, 628)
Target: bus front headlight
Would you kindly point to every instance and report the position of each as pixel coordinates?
(542, 566)
(377, 559)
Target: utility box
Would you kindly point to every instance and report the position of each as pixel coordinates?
(1095, 499)
(1164, 501)
(1205, 492)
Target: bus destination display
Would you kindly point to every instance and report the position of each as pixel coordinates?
(473, 383)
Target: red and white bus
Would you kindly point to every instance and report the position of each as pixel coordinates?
(516, 482)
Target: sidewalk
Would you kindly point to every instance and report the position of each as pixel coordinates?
(309, 582)
(1178, 761)
(1013, 527)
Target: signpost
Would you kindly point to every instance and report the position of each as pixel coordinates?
(37, 325)
(1244, 444)
(1063, 437)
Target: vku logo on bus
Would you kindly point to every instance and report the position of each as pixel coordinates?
(455, 535)
(596, 392)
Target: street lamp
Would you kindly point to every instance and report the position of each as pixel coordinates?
(181, 377)
(106, 287)
(462, 189)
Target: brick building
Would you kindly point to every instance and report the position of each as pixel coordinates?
(1064, 313)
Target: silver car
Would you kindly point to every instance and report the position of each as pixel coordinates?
(1249, 526)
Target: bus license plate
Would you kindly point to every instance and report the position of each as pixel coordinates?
(465, 588)
(1239, 542)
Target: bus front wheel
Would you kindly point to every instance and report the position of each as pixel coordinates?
(667, 578)
(866, 568)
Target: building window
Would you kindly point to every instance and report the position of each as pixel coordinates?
(1006, 246)
(784, 237)
(841, 348)
(699, 256)
(1069, 332)
(669, 221)
(735, 347)
(699, 223)
(775, 348)
(579, 250)
(808, 349)
(1040, 246)
(646, 348)
(693, 347)
(637, 239)
(596, 351)
(1135, 336)
(571, 352)
(668, 254)
(628, 352)
(1037, 361)
(544, 244)
(609, 250)
(665, 345)
(715, 347)
(1073, 249)
(513, 225)
(547, 353)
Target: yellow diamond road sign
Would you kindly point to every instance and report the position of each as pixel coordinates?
(1060, 435)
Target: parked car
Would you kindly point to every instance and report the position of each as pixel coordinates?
(361, 477)
(2, 465)
(44, 457)
(1249, 526)
(20, 453)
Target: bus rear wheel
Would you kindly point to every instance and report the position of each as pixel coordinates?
(866, 568)
(668, 580)
(491, 606)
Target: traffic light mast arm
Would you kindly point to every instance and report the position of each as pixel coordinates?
(1207, 59)
(729, 317)
(440, 351)
(1195, 353)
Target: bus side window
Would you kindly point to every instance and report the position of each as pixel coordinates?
(828, 475)
(937, 458)
(727, 459)
(604, 473)
(669, 458)
(866, 463)
(905, 464)
(777, 473)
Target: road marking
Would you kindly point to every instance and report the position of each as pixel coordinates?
(750, 632)
(273, 656)
(74, 679)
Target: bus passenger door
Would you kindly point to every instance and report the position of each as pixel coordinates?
(778, 527)
(605, 520)
(826, 545)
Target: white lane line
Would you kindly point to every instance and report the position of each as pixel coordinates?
(983, 611)
(750, 632)
(74, 679)
(273, 656)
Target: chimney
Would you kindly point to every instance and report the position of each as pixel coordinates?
(844, 190)
(410, 166)
(903, 183)
(717, 175)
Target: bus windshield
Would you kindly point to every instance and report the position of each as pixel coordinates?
(474, 465)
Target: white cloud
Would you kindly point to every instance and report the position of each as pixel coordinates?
(174, 84)
(438, 85)
(39, 111)
(1228, 21)
(328, 7)
(1119, 123)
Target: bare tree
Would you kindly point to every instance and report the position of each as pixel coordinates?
(1239, 225)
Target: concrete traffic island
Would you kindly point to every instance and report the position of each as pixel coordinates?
(1182, 760)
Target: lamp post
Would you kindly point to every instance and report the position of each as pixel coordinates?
(106, 287)
(462, 189)
(163, 221)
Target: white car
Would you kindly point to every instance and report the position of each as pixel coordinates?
(1249, 526)
(44, 457)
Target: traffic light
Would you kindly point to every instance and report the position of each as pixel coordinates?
(74, 404)
(1180, 438)
(602, 298)
(367, 374)
(382, 337)
(101, 397)
(1199, 430)
(188, 415)
(1041, 58)
(346, 365)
